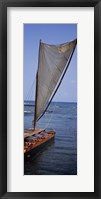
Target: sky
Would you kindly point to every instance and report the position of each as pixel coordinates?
(50, 34)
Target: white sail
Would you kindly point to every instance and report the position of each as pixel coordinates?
(53, 60)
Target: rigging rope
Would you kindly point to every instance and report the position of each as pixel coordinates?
(51, 116)
(31, 91)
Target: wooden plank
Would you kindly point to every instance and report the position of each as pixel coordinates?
(30, 132)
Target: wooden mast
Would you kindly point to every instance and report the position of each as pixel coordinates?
(36, 87)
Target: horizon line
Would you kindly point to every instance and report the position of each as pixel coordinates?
(54, 101)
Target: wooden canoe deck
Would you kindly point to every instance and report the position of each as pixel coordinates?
(30, 132)
(33, 144)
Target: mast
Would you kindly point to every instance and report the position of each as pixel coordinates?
(36, 87)
(60, 79)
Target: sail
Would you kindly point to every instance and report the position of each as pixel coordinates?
(53, 61)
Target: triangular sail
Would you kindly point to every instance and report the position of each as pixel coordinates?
(52, 64)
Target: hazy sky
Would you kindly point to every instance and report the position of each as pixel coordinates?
(50, 34)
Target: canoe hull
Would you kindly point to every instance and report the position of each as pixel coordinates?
(38, 147)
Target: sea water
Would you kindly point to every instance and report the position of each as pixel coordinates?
(60, 156)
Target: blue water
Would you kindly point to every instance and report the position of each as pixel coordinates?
(60, 156)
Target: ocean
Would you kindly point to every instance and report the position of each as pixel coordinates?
(60, 156)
